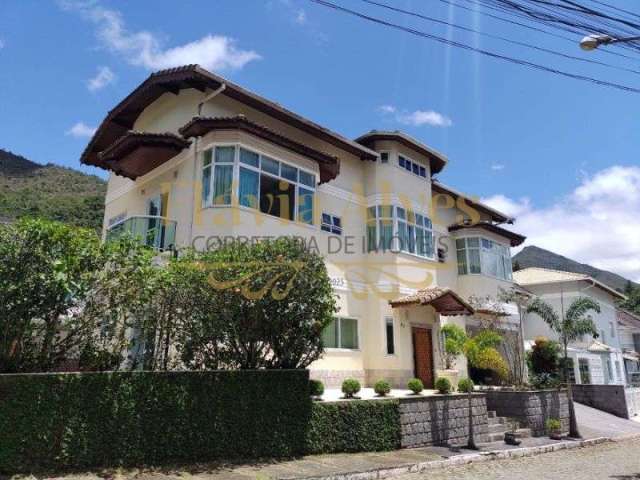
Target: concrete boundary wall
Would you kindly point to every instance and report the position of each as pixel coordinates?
(618, 400)
(442, 420)
(531, 408)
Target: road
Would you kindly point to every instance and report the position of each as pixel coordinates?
(618, 461)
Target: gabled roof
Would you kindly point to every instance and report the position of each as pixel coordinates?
(515, 238)
(544, 276)
(437, 161)
(444, 300)
(122, 118)
(496, 216)
(628, 319)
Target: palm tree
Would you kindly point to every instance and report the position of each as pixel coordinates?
(570, 326)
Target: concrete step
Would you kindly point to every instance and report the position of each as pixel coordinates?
(497, 420)
(495, 437)
(491, 414)
(523, 433)
(498, 428)
(499, 436)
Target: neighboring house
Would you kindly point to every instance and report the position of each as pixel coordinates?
(595, 361)
(195, 158)
(629, 329)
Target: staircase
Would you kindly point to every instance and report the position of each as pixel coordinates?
(498, 426)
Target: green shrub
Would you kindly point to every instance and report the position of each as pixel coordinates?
(443, 385)
(382, 388)
(56, 422)
(316, 388)
(415, 385)
(553, 425)
(465, 385)
(350, 387)
(357, 426)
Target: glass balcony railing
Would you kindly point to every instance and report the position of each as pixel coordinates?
(156, 232)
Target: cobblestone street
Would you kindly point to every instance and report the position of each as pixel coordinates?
(619, 461)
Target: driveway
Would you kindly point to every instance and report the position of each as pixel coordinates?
(596, 423)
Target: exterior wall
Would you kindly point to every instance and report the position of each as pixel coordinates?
(442, 420)
(615, 399)
(531, 409)
(364, 282)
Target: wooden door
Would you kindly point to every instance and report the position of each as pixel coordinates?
(423, 355)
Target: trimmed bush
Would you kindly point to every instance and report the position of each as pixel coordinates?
(553, 425)
(465, 385)
(357, 426)
(60, 421)
(415, 385)
(350, 387)
(382, 388)
(443, 385)
(316, 388)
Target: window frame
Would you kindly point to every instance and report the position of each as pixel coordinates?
(235, 182)
(412, 166)
(338, 319)
(501, 263)
(582, 362)
(386, 321)
(331, 225)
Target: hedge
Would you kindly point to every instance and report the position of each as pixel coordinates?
(61, 421)
(354, 426)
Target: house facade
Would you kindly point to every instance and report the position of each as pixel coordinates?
(629, 329)
(595, 361)
(196, 160)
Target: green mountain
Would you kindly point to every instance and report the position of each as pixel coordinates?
(533, 256)
(49, 191)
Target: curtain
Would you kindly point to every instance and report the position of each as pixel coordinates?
(222, 185)
(249, 181)
(206, 186)
(305, 205)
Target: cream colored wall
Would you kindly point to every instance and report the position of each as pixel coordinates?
(365, 282)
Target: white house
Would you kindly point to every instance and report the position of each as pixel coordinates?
(595, 361)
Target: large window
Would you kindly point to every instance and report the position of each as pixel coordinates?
(266, 184)
(585, 374)
(480, 255)
(390, 227)
(341, 333)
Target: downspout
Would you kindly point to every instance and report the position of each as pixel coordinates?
(194, 178)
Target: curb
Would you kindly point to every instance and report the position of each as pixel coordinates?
(387, 472)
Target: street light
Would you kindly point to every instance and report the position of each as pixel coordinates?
(591, 42)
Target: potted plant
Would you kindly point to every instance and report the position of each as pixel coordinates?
(415, 385)
(443, 385)
(350, 387)
(382, 388)
(453, 346)
(554, 428)
(316, 389)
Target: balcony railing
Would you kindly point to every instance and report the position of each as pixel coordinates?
(156, 232)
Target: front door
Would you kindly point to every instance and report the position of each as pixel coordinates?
(423, 355)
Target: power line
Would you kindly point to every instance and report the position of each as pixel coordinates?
(498, 37)
(478, 50)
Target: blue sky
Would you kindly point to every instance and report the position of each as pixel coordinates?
(538, 145)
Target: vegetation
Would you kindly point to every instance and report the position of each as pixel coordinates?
(572, 325)
(316, 388)
(53, 422)
(632, 303)
(465, 385)
(382, 388)
(544, 363)
(350, 387)
(28, 189)
(415, 385)
(481, 351)
(454, 340)
(443, 385)
(358, 426)
(553, 425)
(67, 297)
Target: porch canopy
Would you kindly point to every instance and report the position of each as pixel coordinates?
(137, 153)
(444, 300)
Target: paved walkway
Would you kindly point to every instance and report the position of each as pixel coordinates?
(617, 461)
(596, 423)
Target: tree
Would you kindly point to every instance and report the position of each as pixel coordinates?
(454, 340)
(45, 273)
(570, 326)
(516, 266)
(481, 351)
(267, 306)
(544, 363)
(632, 303)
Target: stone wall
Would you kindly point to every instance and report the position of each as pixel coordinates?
(616, 399)
(531, 409)
(396, 378)
(442, 420)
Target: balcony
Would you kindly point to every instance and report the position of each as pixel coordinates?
(158, 233)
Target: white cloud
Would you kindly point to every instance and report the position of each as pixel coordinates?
(417, 118)
(597, 223)
(145, 49)
(80, 130)
(301, 17)
(496, 167)
(103, 77)
(1, 43)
